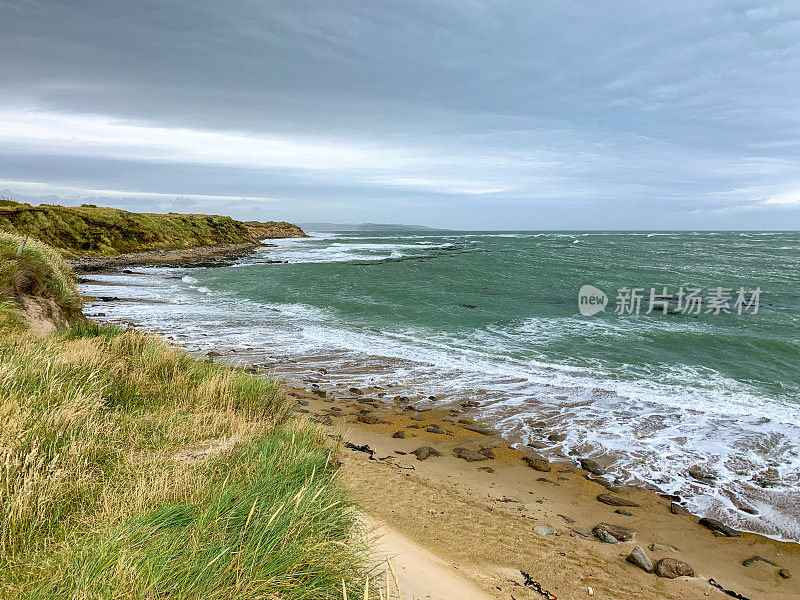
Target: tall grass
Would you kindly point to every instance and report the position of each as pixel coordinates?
(127, 467)
(269, 524)
(37, 271)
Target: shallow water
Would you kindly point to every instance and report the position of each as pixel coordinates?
(493, 317)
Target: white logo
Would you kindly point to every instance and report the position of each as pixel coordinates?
(591, 300)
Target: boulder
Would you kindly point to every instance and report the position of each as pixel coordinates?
(369, 419)
(401, 435)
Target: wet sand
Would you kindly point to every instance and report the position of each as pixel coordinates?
(495, 517)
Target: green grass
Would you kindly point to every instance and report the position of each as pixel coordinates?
(129, 469)
(89, 230)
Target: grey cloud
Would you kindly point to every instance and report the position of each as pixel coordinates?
(636, 114)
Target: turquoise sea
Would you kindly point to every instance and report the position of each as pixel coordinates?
(494, 317)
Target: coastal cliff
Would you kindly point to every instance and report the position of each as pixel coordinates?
(88, 230)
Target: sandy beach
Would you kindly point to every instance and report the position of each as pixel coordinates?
(490, 519)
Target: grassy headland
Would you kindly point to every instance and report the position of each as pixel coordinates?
(129, 469)
(98, 231)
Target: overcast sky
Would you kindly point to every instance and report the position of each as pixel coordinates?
(455, 113)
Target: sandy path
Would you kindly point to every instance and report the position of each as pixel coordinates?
(422, 574)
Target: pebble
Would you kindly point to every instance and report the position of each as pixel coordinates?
(435, 429)
(623, 534)
(640, 559)
(606, 537)
(613, 500)
(543, 530)
(423, 452)
(401, 435)
(672, 568)
(622, 511)
(369, 419)
(469, 455)
(655, 547)
(749, 561)
(538, 463)
(581, 532)
(785, 573)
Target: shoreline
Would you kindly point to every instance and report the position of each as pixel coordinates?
(488, 523)
(492, 518)
(197, 256)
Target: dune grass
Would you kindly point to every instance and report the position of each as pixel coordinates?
(31, 268)
(129, 469)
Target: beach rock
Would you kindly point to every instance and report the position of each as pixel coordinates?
(302, 402)
(656, 547)
(468, 455)
(591, 465)
(543, 530)
(435, 429)
(401, 399)
(401, 435)
(702, 476)
(749, 561)
(677, 509)
(581, 532)
(322, 370)
(538, 463)
(323, 419)
(320, 393)
(742, 505)
(785, 573)
(605, 537)
(213, 353)
(424, 452)
(719, 526)
(623, 534)
(481, 430)
(640, 559)
(486, 469)
(355, 391)
(672, 568)
(487, 452)
(557, 437)
(369, 419)
(537, 444)
(613, 500)
(416, 417)
(623, 512)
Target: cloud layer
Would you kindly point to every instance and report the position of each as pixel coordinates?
(474, 114)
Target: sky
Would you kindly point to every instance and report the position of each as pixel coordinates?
(467, 114)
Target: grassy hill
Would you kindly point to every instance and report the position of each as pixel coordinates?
(130, 470)
(97, 231)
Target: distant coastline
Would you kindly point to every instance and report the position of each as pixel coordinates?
(367, 227)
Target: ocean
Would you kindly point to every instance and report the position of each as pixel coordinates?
(494, 318)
